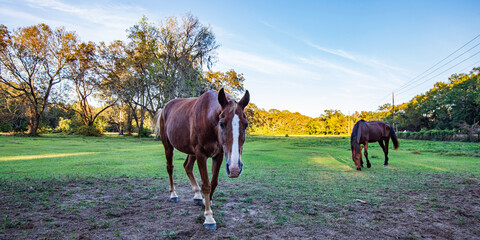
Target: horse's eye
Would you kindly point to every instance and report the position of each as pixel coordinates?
(222, 124)
(246, 125)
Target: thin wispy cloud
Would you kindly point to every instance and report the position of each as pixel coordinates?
(261, 64)
(112, 15)
(364, 60)
(337, 52)
(9, 12)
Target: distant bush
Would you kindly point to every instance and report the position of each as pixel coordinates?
(64, 126)
(434, 134)
(44, 129)
(101, 123)
(144, 132)
(6, 127)
(88, 131)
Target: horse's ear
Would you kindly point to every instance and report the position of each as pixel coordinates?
(245, 100)
(222, 98)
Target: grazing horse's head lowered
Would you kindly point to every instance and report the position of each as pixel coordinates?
(232, 124)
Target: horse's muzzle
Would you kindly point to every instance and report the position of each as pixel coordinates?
(234, 172)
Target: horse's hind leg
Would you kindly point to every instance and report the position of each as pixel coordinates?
(366, 155)
(188, 165)
(169, 155)
(385, 150)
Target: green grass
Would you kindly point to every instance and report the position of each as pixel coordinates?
(313, 169)
(309, 182)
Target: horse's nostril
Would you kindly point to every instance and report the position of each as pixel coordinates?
(241, 165)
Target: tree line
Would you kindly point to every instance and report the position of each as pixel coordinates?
(50, 79)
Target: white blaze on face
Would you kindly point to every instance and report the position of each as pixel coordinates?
(234, 155)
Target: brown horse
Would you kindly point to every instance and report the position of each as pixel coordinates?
(366, 132)
(212, 125)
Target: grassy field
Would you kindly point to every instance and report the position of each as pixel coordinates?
(299, 187)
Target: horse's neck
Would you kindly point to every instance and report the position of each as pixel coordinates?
(207, 108)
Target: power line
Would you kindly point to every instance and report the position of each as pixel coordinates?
(438, 74)
(470, 67)
(412, 80)
(440, 66)
(421, 75)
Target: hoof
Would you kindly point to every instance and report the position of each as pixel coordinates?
(385, 165)
(198, 202)
(359, 169)
(174, 199)
(210, 226)
(369, 165)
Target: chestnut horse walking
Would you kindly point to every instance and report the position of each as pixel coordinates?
(212, 125)
(372, 131)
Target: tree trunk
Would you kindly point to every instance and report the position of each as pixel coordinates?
(129, 122)
(34, 124)
(142, 118)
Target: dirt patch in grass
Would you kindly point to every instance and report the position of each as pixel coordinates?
(138, 208)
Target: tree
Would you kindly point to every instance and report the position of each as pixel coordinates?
(84, 74)
(32, 62)
(114, 69)
(166, 62)
(231, 81)
(12, 111)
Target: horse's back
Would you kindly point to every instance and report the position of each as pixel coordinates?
(377, 130)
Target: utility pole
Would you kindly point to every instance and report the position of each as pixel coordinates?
(348, 122)
(393, 111)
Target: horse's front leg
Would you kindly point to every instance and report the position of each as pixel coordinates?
(366, 155)
(209, 223)
(216, 165)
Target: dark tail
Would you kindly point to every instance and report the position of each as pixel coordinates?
(394, 139)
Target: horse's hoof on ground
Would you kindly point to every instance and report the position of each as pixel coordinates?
(359, 169)
(385, 165)
(369, 166)
(210, 226)
(198, 202)
(174, 199)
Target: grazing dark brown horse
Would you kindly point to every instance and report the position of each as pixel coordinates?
(372, 131)
(212, 125)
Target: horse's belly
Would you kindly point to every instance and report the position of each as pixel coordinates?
(179, 137)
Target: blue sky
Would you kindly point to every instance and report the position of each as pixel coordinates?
(301, 56)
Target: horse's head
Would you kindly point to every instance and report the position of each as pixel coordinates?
(356, 154)
(232, 125)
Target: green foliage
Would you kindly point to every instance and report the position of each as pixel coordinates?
(44, 129)
(101, 123)
(446, 106)
(275, 122)
(440, 135)
(144, 132)
(64, 125)
(85, 130)
(6, 127)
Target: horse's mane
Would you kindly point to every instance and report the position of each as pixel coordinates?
(354, 137)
